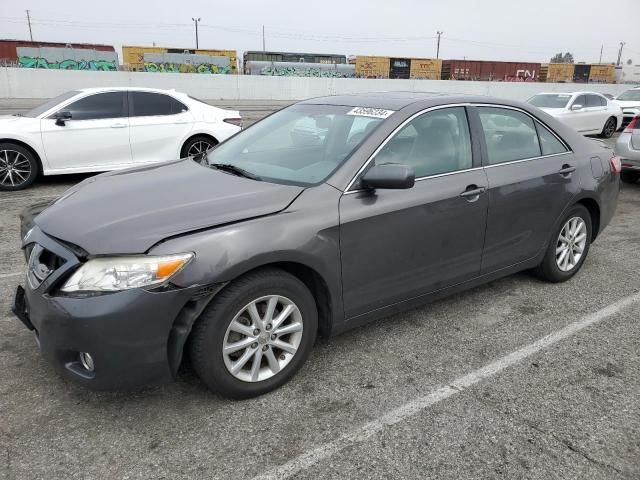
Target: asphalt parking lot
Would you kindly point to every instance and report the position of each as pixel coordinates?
(515, 379)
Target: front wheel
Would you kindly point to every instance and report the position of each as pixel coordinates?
(255, 335)
(609, 128)
(18, 167)
(568, 248)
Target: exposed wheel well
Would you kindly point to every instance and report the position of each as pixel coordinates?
(28, 147)
(594, 211)
(205, 135)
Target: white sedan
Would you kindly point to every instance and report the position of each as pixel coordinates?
(102, 129)
(589, 113)
(629, 101)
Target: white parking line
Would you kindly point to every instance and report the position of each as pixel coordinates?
(10, 275)
(417, 405)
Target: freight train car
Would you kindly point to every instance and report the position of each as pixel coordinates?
(557, 72)
(299, 69)
(59, 56)
(179, 60)
(291, 57)
(490, 71)
(395, 67)
(602, 73)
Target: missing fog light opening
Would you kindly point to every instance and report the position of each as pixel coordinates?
(87, 361)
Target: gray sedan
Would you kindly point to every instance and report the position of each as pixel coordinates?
(321, 217)
(628, 148)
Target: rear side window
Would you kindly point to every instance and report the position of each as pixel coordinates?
(98, 106)
(148, 104)
(548, 142)
(509, 134)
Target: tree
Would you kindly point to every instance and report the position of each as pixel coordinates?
(562, 58)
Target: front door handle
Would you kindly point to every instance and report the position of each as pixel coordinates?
(118, 125)
(472, 192)
(567, 170)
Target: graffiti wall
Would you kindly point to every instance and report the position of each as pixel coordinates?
(186, 63)
(294, 69)
(66, 58)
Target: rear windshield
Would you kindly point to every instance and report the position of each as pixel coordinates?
(40, 109)
(630, 95)
(550, 100)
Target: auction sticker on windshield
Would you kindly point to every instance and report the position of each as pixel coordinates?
(371, 112)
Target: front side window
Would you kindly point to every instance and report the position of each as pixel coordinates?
(299, 145)
(594, 101)
(509, 134)
(580, 100)
(149, 104)
(433, 143)
(98, 106)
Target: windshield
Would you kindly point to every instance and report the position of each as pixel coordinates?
(300, 145)
(39, 110)
(630, 95)
(550, 100)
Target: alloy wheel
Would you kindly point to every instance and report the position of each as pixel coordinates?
(609, 128)
(198, 148)
(262, 338)
(15, 168)
(571, 244)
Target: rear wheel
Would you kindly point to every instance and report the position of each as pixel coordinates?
(197, 146)
(629, 177)
(18, 167)
(568, 248)
(255, 335)
(609, 128)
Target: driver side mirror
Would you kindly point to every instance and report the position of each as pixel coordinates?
(61, 117)
(390, 176)
(575, 107)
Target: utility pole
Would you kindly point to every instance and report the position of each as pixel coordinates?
(438, 47)
(263, 43)
(622, 44)
(601, 47)
(196, 20)
(29, 22)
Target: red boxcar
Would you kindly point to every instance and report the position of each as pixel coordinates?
(8, 47)
(490, 71)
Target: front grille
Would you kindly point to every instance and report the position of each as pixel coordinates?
(42, 263)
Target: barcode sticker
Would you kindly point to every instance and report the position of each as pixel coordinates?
(371, 112)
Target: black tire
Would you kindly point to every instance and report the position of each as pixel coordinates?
(192, 144)
(629, 177)
(548, 269)
(208, 335)
(609, 128)
(11, 157)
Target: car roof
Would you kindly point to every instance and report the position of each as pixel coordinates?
(399, 100)
(571, 93)
(130, 89)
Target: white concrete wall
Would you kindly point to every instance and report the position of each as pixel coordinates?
(28, 83)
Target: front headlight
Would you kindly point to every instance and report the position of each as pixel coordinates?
(110, 274)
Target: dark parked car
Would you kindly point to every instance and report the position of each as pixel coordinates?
(239, 264)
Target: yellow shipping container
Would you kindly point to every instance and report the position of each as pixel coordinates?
(602, 73)
(557, 72)
(372, 67)
(425, 68)
(133, 57)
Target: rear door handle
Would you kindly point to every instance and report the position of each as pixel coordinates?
(472, 192)
(118, 125)
(567, 170)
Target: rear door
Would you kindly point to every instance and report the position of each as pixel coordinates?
(96, 136)
(531, 179)
(400, 244)
(159, 126)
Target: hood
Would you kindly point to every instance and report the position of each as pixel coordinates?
(628, 103)
(131, 210)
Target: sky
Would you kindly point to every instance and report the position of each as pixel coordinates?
(513, 30)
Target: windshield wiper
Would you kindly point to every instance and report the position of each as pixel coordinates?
(241, 172)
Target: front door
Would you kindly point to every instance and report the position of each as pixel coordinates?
(96, 136)
(399, 244)
(531, 177)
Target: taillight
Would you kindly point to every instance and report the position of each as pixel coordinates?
(234, 121)
(634, 121)
(616, 165)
